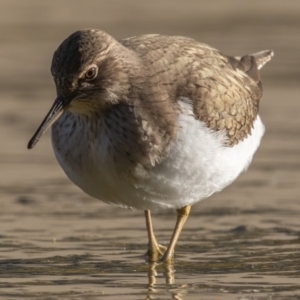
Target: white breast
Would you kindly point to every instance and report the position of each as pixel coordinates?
(199, 164)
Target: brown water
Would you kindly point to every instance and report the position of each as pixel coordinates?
(57, 243)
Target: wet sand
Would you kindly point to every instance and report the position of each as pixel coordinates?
(58, 243)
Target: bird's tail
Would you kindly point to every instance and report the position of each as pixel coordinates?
(252, 63)
(262, 57)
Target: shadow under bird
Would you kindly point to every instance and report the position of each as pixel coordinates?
(152, 121)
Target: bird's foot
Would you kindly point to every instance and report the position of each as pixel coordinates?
(155, 252)
(167, 257)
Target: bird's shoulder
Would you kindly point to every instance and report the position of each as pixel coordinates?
(224, 90)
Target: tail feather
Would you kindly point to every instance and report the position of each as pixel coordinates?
(262, 57)
(252, 63)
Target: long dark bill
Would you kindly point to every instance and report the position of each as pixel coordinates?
(54, 113)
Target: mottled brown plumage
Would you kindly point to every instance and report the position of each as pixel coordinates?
(153, 72)
(153, 122)
(225, 91)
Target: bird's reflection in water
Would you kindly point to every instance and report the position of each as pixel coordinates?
(155, 288)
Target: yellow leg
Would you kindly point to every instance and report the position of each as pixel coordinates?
(182, 215)
(155, 250)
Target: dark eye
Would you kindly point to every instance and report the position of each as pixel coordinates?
(91, 73)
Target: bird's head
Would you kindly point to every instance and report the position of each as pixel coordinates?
(89, 76)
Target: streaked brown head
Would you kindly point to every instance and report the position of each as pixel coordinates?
(76, 62)
(85, 68)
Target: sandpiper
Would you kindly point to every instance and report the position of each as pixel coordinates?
(152, 121)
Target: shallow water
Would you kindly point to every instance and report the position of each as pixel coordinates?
(63, 246)
(57, 243)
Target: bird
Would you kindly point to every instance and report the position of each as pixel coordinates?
(153, 122)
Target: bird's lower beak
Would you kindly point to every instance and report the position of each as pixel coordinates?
(54, 113)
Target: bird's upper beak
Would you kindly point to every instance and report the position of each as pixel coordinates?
(54, 113)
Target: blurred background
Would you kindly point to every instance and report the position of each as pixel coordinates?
(44, 216)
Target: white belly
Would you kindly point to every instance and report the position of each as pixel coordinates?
(199, 164)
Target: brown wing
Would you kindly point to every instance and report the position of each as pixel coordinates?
(225, 90)
(228, 97)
